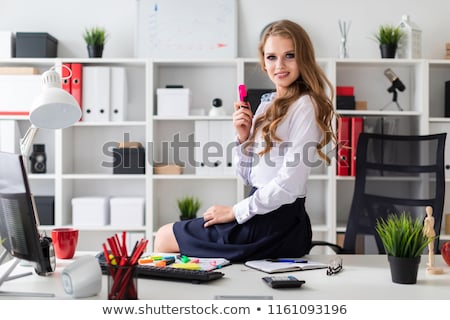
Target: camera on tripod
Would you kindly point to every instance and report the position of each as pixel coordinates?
(38, 159)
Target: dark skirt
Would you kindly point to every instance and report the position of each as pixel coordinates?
(284, 232)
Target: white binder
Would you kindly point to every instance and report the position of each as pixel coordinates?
(96, 94)
(119, 94)
(214, 155)
(201, 137)
(9, 136)
(229, 146)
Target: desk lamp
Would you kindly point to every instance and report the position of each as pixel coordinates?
(54, 108)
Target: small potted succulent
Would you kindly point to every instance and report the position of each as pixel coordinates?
(188, 206)
(404, 242)
(388, 38)
(95, 39)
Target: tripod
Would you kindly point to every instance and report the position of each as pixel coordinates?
(394, 92)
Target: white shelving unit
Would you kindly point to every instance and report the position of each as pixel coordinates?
(79, 158)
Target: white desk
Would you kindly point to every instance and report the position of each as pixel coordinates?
(363, 277)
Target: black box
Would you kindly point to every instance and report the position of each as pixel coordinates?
(45, 206)
(129, 161)
(447, 98)
(345, 102)
(35, 45)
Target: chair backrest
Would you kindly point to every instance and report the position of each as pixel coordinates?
(395, 174)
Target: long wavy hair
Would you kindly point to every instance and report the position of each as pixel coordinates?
(312, 81)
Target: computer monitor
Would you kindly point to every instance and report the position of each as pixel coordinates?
(18, 220)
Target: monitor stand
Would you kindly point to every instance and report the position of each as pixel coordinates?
(6, 277)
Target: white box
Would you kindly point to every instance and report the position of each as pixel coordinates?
(173, 102)
(90, 211)
(7, 44)
(17, 93)
(127, 211)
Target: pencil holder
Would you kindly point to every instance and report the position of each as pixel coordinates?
(122, 283)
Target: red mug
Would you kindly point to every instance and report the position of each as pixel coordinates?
(65, 242)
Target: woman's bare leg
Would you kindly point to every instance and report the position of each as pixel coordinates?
(165, 240)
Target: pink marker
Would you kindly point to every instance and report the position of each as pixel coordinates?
(243, 92)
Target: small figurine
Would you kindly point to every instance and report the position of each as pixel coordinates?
(428, 230)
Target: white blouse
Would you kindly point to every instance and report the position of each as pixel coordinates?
(281, 174)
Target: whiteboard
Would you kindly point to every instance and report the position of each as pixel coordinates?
(186, 29)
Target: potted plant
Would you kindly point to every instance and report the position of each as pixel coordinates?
(188, 206)
(95, 39)
(404, 242)
(388, 38)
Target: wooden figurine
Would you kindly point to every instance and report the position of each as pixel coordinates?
(428, 230)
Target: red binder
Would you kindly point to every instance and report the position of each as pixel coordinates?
(77, 77)
(357, 126)
(65, 75)
(343, 148)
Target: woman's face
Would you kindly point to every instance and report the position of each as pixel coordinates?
(280, 63)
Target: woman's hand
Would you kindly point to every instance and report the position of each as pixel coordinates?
(217, 215)
(242, 120)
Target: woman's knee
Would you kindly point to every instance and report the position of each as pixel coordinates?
(165, 240)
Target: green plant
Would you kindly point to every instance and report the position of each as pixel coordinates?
(188, 206)
(95, 36)
(402, 236)
(388, 34)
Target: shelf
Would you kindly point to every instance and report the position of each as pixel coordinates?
(439, 120)
(191, 118)
(379, 113)
(110, 124)
(111, 176)
(95, 228)
(192, 177)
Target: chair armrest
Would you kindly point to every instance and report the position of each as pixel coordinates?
(337, 249)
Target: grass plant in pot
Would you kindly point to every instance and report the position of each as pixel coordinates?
(388, 38)
(188, 207)
(95, 39)
(404, 242)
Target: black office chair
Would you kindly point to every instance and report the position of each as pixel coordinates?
(394, 174)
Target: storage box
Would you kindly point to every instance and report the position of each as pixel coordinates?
(90, 211)
(17, 93)
(35, 45)
(128, 160)
(173, 102)
(7, 44)
(167, 169)
(127, 211)
(345, 91)
(45, 206)
(345, 102)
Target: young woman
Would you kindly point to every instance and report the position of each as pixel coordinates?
(278, 146)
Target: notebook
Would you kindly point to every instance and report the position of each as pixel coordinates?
(277, 267)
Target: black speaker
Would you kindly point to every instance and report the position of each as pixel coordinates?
(447, 98)
(38, 159)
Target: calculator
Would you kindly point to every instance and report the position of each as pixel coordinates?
(283, 282)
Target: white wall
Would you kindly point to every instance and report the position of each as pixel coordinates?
(66, 20)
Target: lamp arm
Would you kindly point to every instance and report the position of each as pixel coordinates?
(27, 140)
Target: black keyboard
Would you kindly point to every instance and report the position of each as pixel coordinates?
(195, 276)
(168, 273)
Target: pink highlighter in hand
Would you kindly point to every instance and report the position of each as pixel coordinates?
(243, 94)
